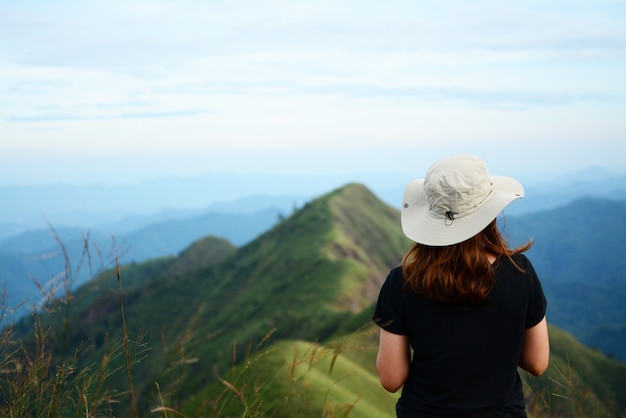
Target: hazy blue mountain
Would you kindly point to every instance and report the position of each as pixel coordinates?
(97, 205)
(248, 205)
(37, 256)
(579, 253)
(590, 183)
(170, 237)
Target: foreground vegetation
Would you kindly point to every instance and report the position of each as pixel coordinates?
(282, 379)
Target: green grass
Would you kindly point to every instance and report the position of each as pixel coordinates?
(299, 378)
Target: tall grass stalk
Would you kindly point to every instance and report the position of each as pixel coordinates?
(131, 388)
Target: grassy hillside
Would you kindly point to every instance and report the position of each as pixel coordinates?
(301, 379)
(268, 328)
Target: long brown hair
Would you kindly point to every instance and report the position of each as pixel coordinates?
(458, 273)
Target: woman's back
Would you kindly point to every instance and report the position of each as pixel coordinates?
(464, 355)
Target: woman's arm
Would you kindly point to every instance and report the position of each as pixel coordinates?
(536, 349)
(393, 360)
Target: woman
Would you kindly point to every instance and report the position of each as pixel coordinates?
(464, 310)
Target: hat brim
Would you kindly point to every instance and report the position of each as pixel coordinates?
(421, 226)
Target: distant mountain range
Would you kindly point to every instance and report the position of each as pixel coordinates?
(124, 208)
(280, 326)
(109, 207)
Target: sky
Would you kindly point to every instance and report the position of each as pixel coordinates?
(119, 92)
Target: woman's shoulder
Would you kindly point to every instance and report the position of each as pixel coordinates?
(395, 271)
(517, 265)
(395, 278)
(396, 274)
(520, 259)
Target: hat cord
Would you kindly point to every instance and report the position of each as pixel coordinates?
(449, 217)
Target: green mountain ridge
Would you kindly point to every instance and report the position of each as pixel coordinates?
(216, 321)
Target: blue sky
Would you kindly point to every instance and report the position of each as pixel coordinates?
(124, 91)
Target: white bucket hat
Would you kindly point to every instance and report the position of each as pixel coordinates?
(457, 199)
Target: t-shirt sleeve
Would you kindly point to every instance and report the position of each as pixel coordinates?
(537, 300)
(389, 312)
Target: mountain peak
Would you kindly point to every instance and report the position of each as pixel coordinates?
(366, 236)
(203, 253)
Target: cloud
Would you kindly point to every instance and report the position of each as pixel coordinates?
(66, 117)
(483, 97)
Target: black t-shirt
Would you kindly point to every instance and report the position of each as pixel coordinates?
(464, 357)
